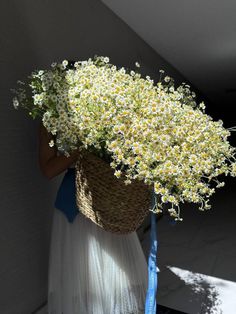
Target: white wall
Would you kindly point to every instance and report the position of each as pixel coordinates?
(34, 34)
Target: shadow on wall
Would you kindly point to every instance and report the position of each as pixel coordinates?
(25, 195)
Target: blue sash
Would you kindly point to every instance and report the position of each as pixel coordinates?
(150, 305)
(66, 195)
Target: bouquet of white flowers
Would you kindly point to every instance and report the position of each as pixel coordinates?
(155, 133)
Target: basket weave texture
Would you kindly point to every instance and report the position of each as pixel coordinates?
(106, 200)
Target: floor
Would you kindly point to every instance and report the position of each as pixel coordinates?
(197, 257)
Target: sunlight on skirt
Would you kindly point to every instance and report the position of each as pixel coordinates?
(92, 271)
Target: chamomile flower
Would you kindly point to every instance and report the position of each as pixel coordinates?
(65, 63)
(117, 173)
(106, 59)
(15, 103)
(202, 105)
(51, 143)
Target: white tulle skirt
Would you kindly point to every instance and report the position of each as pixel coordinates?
(92, 271)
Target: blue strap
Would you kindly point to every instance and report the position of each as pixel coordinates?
(150, 305)
(66, 196)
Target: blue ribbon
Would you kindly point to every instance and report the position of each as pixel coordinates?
(66, 196)
(150, 305)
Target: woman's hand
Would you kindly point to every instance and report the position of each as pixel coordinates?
(50, 164)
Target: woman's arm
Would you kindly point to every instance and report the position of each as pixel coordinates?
(50, 164)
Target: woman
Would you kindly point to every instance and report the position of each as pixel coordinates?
(91, 271)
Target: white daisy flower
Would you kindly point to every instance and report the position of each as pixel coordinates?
(122, 70)
(202, 105)
(221, 184)
(15, 103)
(167, 79)
(106, 59)
(127, 181)
(137, 64)
(84, 63)
(61, 66)
(51, 143)
(65, 63)
(117, 173)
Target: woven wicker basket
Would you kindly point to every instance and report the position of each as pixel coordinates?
(106, 200)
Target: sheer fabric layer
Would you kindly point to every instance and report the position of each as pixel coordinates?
(92, 271)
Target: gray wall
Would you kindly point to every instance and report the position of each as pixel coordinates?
(34, 34)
